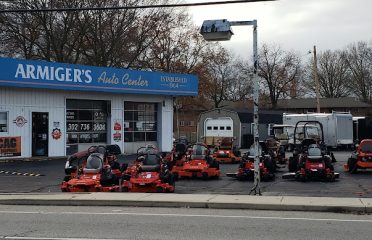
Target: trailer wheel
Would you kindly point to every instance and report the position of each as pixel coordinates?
(351, 162)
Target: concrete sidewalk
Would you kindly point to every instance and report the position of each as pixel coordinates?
(284, 203)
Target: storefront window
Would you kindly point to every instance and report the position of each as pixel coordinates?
(86, 122)
(3, 121)
(140, 122)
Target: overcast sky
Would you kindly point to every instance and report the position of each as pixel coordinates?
(294, 24)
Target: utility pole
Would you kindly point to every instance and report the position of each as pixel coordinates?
(316, 78)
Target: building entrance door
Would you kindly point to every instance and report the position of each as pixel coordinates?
(40, 128)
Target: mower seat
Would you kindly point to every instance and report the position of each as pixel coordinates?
(181, 148)
(94, 163)
(197, 157)
(151, 159)
(314, 153)
(150, 168)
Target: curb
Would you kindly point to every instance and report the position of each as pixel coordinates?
(285, 203)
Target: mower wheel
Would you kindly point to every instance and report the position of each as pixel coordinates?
(214, 164)
(67, 178)
(159, 189)
(292, 164)
(331, 179)
(351, 162)
(205, 175)
(175, 176)
(270, 165)
(333, 158)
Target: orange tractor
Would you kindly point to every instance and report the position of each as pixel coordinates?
(149, 173)
(199, 164)
(94, 170)
(361, 158)
(225, 152)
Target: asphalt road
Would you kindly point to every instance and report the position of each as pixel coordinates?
(41, 222)
(357, 185)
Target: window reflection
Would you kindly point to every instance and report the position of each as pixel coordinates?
(140, 122)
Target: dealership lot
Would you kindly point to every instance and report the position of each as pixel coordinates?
(22, 177)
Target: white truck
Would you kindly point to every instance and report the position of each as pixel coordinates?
(337, 126)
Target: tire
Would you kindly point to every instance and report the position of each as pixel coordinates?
(175, 176)
(290, 148)
(159, 189)
(214, 164)
(270, 165)
(205, 175)
(351, 162)
(67, 178)
(333, 158)
(292, 164)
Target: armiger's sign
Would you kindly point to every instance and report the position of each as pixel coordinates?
(43, 74)
(10, 146)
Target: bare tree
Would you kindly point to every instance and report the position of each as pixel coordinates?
(116, 38)
(219, 75)
(241, 86)
(358, 58)
(281, 71)
(42, 35)
(333, 74)
(178, 48)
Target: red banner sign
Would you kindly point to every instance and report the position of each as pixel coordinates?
(10, 146)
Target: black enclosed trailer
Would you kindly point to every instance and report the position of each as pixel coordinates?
(362, 128)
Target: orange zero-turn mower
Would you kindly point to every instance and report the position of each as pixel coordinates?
(99, 173)
(246, 167)
(361, 158)
(179, 153)
(225, 152)
(149, 174)
(199, 164)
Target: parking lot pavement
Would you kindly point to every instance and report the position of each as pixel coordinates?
(52, 173)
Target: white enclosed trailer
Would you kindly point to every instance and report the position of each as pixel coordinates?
(337, 126)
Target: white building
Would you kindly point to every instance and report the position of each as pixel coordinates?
(54, 109)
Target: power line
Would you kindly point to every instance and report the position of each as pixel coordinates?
(129, 7)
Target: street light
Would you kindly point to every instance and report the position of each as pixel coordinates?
(220, 30)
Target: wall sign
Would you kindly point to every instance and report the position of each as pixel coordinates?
(42, 74)
(56, 124)
(56, 133)
(10, 146)
(117, 129)
(20, 121)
